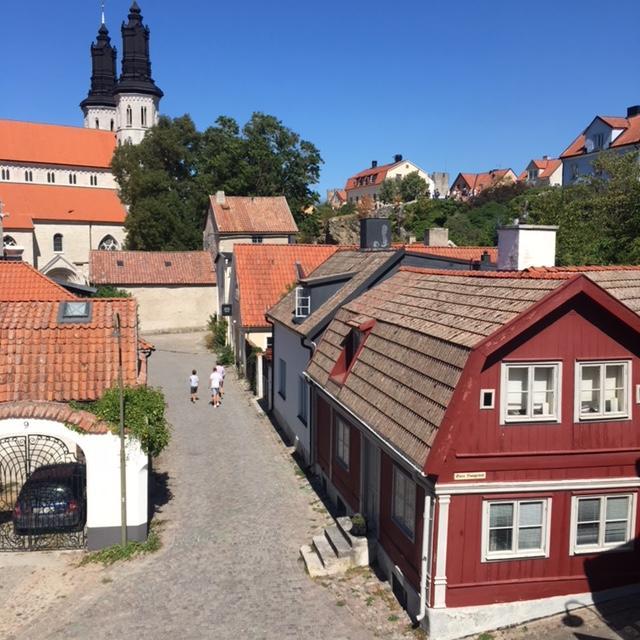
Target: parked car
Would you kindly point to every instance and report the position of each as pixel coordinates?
(52, 500)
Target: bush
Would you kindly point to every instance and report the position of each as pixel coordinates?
(109, 291)
(217, 336)
(358, 525)
(225, 356)
(144, 415)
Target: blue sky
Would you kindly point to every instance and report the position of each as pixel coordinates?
(464, 86)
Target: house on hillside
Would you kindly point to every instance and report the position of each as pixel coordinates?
(59, 197)
(369, 181)
(336, 198)
(487, 425)
(261, 275)
(469, 185)
(232, 220)
(175, 290)
(300, 318)
(546, 172)
(615, 133)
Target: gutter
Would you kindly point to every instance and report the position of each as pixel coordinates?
(426, 541)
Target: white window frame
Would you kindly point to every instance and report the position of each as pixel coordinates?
(303, 400)
(303, 303)
(403, 502)
(575, 550)
(505, 418)
(492, 556)
(492, 393)
(602, 415)
(343, 434)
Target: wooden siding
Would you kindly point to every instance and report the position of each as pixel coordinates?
(347, 481)
(473, 582)
(322, 424)
(403, 551)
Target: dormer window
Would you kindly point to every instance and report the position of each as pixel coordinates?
(598, 141)
(533, 174)
(360, 327)
(78, 311)
(303, 302)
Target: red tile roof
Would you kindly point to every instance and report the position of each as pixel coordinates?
(460, 253)
(629, 135)
(33, 143)
(152, 267)
(379, 175)
(55, 411)
(27, 202)
(264, 272)
(20, 281)
(45, 360)
(253, 215)
(476, 182)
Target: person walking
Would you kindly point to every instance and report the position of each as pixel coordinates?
(194, 381)
(215, 387)
(222, 373)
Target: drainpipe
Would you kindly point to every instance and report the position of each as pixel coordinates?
(424, 563)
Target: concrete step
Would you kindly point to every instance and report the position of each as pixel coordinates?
(344, 524)
(331, 562)
(338, 542)
(312, 561)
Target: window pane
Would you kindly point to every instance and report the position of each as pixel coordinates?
(614, 392)
(500, 540)
(501, 515)
(617, 508)
(589, 510)
(543, 391)
(615, 532)
(517, 391)
(530, 538)
(530, 513)
(587, 534)
(590, 389)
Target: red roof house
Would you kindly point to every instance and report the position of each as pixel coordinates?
(487, 424)
(544, 172)
(468, 185)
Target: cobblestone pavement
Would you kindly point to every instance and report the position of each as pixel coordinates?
(232, 531)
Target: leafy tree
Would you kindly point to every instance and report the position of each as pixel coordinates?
(109, 291)
(388, 191)
(412, 187)
(167, 178)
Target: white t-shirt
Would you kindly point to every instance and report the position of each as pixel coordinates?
(215, 378)
(221, 371)
(193, 380)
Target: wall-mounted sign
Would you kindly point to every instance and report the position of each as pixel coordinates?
(226, 309)
(470, 475)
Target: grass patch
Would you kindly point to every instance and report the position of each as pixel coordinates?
(485, 636)
(369, 601)
(117, 552)
(393, 618)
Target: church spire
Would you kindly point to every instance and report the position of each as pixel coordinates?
(136, 63)
(103, 76)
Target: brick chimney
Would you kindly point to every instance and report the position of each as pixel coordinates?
(521, 246)
(436, 237)
(220, 199)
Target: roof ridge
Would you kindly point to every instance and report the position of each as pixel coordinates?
(526, 274)
(61, 126)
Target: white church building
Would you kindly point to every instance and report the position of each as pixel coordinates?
(58, 196)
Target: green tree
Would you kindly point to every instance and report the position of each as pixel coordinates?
(109, 291)
(412, 187)
(388, 191)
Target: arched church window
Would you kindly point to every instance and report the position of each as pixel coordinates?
(28, 176)
(108, 243)
(143, 116)
(129, 116)
(97, 123)
(57, 242)
(8, 241)
(5, 174)
(73, 179)
(111, 124)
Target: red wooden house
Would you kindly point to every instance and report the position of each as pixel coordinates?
(488, 426)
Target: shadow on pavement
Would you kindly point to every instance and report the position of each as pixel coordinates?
(159, 491)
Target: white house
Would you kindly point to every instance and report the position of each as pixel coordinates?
(546, 172)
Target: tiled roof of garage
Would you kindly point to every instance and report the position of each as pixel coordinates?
(55, 411)
(20, 281)
(45, 360)
(152, 267)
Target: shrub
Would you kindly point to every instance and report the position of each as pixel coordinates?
(144, 415)
(358, 525)
(217, 336)
(109, 291)
(225, 356)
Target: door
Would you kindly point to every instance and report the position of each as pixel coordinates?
(371, 488)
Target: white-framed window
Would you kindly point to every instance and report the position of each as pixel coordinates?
(342, 442)
(403, 502)
(282, 378)
(57, 242)
(143, 116)
(531, 392)
(603, 390)
(303, 400)
(129, 116)
(515, 528)
(108, 243)
(601, 522)
(303, 302)
(487, 398)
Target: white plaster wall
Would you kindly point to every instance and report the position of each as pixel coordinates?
(102, 454)
(24, 239)
(174, 308)
(106, 117)
(522, 247)
(226, 242)
(135, 132)
(61, 175)
(286, 345)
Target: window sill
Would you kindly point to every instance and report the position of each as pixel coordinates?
(343, 465)
(538, 554)
(525, 420)
(404, 529)
(624, 547)
(593, 417)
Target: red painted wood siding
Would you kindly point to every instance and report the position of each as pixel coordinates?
(323, 434)
(472, 582)
(404, 552)
(551, 450)
(347, 481)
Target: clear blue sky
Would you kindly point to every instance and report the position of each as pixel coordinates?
(455, 86)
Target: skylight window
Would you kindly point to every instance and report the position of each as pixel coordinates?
(74, 311)
(120, 263)
(167, 263)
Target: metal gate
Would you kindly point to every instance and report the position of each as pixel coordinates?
(42, 494)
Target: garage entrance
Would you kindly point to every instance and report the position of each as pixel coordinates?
(43, 501)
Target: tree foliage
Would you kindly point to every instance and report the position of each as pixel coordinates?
(167, 178)
(109, 291)
(412, 187)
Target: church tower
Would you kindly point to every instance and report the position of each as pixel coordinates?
(99, 107)
(136, 95)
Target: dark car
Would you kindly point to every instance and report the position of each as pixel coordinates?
(52, 500)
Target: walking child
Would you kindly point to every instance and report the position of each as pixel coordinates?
(215, 387)
(194, 381)
(222, 372)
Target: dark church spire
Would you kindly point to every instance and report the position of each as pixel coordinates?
(103, 76)
(136, 64)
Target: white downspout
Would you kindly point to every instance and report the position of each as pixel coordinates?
(426, 541)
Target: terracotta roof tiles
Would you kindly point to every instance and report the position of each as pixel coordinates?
(56, 411)
(20, 281)
(253, 215)
(152, 267)
(629, 135)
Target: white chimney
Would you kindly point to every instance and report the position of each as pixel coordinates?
(13, 252)
(220, 197)
(521, 246)
(436, 237)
